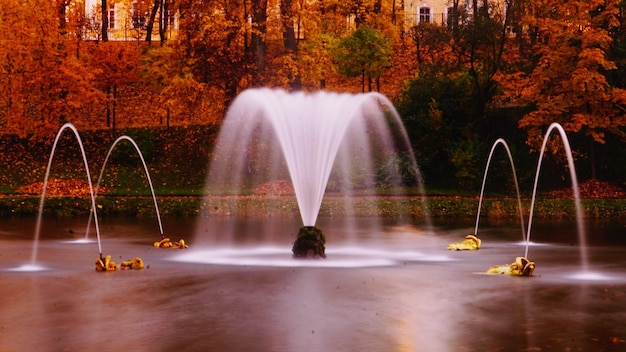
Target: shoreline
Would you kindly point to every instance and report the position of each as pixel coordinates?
(415, 207)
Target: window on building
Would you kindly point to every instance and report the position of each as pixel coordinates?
(139, 16)
(511, 31)
(112, 18)
(424, 14)
(482, 8)
(170, 18)
(449, 16)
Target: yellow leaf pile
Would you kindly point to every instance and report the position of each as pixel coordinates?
(471, 243)
(592, 189)
(276, 188)
(167, 243)
(60, 188)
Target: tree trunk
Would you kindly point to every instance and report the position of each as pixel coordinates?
(289, 38)
(592, 159)
(363, 81)
(113, 120)
(455, 19)
(108, 109)
(105, 21)
(167, 119)
(150, 25)
(258, 47)
(230, 92)
(162, 20)
(289, 34)
(62, 12)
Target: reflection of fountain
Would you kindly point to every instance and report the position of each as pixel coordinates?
(399, 305)
(33, 264)
(315, 134)
(145, 168)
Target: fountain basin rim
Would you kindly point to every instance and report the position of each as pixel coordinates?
(277, 256)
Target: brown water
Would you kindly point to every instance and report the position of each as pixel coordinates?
(423, 299)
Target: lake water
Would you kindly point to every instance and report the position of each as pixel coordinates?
(402, 291)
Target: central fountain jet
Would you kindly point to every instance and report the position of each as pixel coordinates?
(311, 131)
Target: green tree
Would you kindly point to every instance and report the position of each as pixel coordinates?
(366, 52)
(316, 58)
(449, 106)
(436, 110)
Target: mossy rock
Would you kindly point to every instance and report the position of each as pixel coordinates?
(310, 243)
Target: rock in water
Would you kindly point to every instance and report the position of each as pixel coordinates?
(310, 243)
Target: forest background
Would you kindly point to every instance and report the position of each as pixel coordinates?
(492, 71)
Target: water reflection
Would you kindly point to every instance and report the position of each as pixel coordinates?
(409, 305)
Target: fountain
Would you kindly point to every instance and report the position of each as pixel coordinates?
(145, 169)
(270, 135)
(164, 242)
(522, 263)
(309, 129)
(585, 273)
(396, 301)
(33, 266)
(502, 142)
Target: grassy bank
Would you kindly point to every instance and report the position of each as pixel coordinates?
(178, 159)
(254, 206)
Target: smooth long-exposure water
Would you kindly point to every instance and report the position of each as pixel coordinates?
(426, 299)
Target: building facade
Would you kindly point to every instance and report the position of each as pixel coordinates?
(441, 11)
(128, 20)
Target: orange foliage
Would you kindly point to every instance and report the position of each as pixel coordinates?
(568, 83)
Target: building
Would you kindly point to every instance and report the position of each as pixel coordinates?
(128, 20)
(441, 11)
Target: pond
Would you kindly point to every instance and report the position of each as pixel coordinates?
(402, 291)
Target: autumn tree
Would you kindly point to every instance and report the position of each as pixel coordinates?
(291, 22)
(214, 39)
(180, 97)
(43, 84)
(113, 65)
(432, 45)
(566, 81)
(317, 60)
(321, 24)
